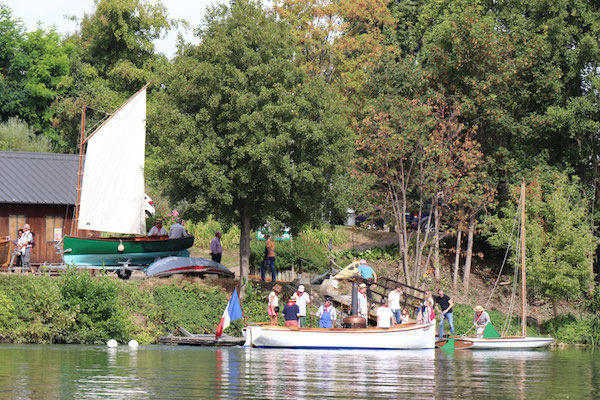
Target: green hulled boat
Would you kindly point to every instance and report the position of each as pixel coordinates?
(134, 251)
(111, 195)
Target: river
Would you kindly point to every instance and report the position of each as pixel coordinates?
(172, 372)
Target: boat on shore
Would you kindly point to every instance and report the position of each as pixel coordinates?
(111, 195)
(401, 337)
(141, 250)
(187, 265)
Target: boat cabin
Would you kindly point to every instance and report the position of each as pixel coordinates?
(39, 189)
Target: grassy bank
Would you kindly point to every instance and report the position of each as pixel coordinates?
(77, 308)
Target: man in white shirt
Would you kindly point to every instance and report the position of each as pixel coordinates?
(385, 318)
(394, 298)
(177, 231)
(362, 301)
(301, 302)
(157, 229)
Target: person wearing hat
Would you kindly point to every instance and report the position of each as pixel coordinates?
(480, 319)
(291, 312)
(302, 299)
(368, 275)
(157, 229)
(362, 300)
(327, 315)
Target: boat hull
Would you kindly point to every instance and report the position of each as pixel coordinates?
(185, 265)
(138, 250)
(507, 343)
(411, 336)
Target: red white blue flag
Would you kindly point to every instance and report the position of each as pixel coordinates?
(231, 313)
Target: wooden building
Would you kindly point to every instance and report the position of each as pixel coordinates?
(39, 189)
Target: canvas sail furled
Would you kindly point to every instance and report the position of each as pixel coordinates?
(112, 193)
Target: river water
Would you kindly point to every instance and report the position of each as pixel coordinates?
(181, 372)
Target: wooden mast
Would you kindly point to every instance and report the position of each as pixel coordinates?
(523, 286)
(80, 173)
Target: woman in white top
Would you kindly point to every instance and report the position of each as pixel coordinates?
(273, 306)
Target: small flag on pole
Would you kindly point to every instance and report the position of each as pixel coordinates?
(231, 313)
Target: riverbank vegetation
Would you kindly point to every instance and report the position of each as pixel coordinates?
(77, 308)
(292, 111)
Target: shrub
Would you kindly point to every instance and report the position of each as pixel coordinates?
(97, 313)
(311, 255)
(568, 329)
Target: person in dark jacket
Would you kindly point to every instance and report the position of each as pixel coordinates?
(291, 312)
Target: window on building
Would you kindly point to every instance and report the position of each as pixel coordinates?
(54, 228)
(15, 222)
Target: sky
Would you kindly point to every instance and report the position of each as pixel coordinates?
(55, 12)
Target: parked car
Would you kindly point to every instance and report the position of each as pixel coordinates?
(149, 206)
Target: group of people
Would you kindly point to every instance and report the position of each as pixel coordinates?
(295, 309)
(24, 246)
(176, 230)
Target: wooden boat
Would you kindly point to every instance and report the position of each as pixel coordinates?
(136, 250)
(402, 337)
(185, 265)
(110, 194)
(459, 343)
(523, 341)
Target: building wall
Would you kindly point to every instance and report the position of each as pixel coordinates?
(43, 219)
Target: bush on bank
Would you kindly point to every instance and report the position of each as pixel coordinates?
(77, 308)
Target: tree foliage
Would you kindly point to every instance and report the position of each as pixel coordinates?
(559, 240)
(246, 134)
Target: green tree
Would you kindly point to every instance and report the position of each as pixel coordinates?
(243, 133)
(558, 231)
(113, 58)
(16, 135)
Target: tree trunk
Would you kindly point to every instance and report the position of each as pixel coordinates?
(467, 270)
(436, 243)
(456, 259)
(244, 247)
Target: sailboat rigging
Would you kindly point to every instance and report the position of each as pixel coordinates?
(111, 194)
(522, 341)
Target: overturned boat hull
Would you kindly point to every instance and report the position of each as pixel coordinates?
(185, 265)
(405, 336)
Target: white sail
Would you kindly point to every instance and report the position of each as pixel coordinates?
(112, 193)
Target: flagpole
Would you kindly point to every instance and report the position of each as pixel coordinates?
(240, 301)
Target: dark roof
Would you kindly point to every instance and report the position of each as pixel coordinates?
(38, 178)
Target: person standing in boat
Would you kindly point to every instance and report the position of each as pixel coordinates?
(327, 315)
(291, 312)
(303, 299)
(177, 231)
(157, 229)
(269, 259)
(385, 317)
(216, 250)
(273, 304)
(480, 319)
(394, 298)
(444, 304)
(362, 301)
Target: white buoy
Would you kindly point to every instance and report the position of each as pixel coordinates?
(133, 343)
(112, 343)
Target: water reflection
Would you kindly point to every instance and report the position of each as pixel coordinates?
(168, 372)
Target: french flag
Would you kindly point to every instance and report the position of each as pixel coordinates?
(231, 313)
